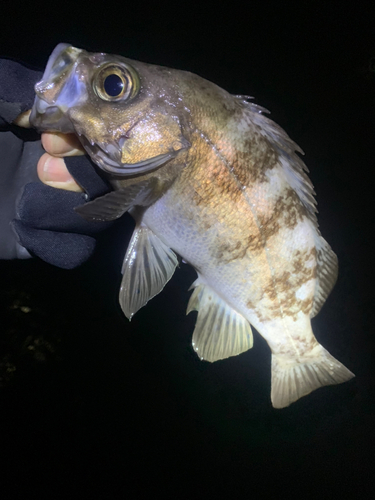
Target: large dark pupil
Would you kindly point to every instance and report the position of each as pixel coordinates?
(113, 85)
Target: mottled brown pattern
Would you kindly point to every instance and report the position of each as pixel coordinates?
(301, 273)
(300, 343)
(213, 184)
(225, 186)
(226, 252)
(286, 213)
(251, 165)
(282, 288)
(219, 186)
(277, 285)
(294, 210)
(250, 304)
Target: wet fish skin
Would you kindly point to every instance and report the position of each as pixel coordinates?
(208, 176)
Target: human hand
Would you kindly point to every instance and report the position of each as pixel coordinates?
(45, 221)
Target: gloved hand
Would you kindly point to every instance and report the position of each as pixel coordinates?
(46, 223)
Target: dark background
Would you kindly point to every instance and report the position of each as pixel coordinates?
(93, 406)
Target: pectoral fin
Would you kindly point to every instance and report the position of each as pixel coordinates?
(148, 265)
(113, 205)
(220, 331)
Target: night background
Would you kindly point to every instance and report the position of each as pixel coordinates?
(97, 407)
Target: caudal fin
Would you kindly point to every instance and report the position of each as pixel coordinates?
(292, 379)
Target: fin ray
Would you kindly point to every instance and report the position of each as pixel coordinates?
(327, 270)
(293, 166)
(148, 265)
(292, 379)
(220, 331)
(113, 205)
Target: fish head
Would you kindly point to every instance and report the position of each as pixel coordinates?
(128, 115)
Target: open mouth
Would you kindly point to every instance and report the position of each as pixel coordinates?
(108, 157)
(52, 118)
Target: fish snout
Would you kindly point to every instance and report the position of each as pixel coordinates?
(57, 91)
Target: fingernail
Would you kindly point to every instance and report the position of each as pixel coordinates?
(55, 174)
(55, 170)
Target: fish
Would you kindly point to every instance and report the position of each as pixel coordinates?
(208, 177)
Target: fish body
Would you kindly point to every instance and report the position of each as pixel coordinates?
(208, 176)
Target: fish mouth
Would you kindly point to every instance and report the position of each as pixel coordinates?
(49, 117)
(108, 157)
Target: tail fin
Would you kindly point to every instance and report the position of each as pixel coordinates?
(292, 379)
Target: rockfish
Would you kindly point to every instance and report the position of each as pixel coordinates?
(206, 175)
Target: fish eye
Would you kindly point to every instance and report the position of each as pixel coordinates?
(113, 85)
(116, 82)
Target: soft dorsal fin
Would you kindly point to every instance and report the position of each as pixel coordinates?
(296, 174)
(327, 270)
(113, 205)
(220, 331)
(148, 265)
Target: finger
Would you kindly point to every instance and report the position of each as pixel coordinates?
(53, 172)
(22, 120)
(58, 144)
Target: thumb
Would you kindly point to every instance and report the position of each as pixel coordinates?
(52, 171)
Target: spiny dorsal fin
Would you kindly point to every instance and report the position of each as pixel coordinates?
(148, 265)
(327, 270)
(294, 168)
(220, 331)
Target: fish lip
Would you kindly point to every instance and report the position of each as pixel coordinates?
(142, 166)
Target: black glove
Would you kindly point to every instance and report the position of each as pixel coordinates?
(46, 223)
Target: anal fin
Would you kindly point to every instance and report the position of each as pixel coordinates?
(292, 378)
(220, 331)
(148, 265)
